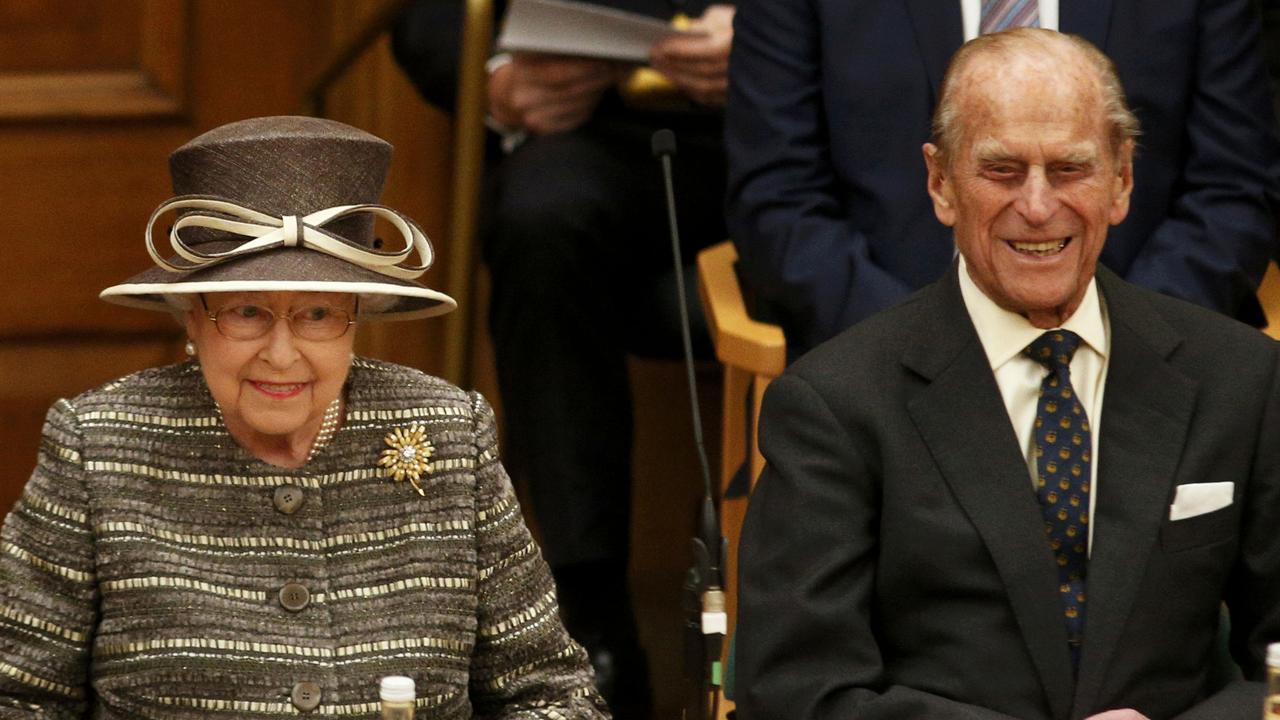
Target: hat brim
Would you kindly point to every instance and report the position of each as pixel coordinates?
(285, 270)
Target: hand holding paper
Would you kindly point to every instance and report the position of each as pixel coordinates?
(548, 93)
(562, 53)
(698, 64)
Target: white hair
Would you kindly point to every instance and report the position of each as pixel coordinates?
(1022, 43)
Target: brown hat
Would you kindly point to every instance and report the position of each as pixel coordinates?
(285, 203)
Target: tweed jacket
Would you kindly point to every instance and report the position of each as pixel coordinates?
(154, 569)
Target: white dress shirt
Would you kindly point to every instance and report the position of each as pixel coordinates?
(971, 11)
(1004, 334)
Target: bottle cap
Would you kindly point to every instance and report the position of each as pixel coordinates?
(1273, 655)
(396, 688)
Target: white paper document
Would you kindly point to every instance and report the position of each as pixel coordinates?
(566, 27)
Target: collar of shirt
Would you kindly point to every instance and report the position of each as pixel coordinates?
(1004, 334)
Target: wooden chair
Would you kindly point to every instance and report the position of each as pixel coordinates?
(753, 353)
(1269, 296)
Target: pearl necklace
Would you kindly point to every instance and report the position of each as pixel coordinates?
(328, 426)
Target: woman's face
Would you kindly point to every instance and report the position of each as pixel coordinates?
(273, 389)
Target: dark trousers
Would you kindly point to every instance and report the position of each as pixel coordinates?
(581, 263)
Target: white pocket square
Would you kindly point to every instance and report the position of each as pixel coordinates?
(1199, 498)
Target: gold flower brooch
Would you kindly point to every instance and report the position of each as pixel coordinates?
(409, 455)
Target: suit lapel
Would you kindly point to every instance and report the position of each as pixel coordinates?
(989, 477)
(1088, 18)
(939, 32)
(1147, 408)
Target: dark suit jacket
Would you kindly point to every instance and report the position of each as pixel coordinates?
(830, 101)
(893, 561)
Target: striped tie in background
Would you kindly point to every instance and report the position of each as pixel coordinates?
(1000, 15)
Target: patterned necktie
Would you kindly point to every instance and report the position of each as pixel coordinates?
(1000, 15)
(1063, 452)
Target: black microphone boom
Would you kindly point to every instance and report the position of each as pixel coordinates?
(705, 619)
(663, 142)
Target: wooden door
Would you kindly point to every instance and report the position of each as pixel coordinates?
(94, 94)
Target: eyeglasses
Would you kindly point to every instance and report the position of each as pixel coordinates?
(250, 322)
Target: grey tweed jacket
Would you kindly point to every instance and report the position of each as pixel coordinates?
(154, 569)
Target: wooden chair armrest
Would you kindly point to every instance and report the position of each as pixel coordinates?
(740, 341)
(1269, 297)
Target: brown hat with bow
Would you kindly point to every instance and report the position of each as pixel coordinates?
(285, 203)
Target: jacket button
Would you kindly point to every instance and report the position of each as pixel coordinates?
(294, 596)
(288, 499)
(305, 696)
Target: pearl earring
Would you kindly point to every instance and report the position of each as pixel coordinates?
(190, 349)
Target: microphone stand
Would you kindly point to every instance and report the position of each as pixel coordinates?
(705, 621)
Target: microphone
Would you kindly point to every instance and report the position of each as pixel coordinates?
(663, 144)
(706, 622)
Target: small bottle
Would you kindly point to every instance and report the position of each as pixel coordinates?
(397, 695)
(1271, 706)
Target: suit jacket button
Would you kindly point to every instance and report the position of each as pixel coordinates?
(288, 499)
(294, 596)
(305, 696)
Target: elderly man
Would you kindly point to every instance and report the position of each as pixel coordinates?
(1025, 492)
(830, 100)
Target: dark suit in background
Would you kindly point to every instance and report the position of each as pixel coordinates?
(1270, 10)
(894, 561)
(830, 101)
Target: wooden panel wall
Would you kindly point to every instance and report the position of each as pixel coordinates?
(68, 58)
(94, 94)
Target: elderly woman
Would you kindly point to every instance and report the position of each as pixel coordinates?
(274, 525)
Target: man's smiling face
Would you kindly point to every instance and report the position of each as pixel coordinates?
(1032, 185)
